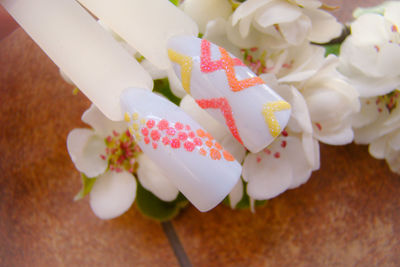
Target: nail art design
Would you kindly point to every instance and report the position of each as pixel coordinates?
(198, 165)
(229, 91)
(226, 63)
(222, 104)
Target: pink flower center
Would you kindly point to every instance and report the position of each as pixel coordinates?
(121, 152)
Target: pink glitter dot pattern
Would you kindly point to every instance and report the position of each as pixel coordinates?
(155, 135)
(178, 126)
(182, 136)
(171, 131)
(163, 125)
(150, 123)
(145, 131)
(189, 146)
(197, 141)
(175, 143)
(154, 145)
(166, 140)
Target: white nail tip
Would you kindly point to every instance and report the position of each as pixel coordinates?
(229, 91)
(199, 167)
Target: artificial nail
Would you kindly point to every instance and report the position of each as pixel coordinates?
(229, 91)
(198, 166)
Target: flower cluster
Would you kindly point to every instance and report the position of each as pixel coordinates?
(370, 60)
(334, 100)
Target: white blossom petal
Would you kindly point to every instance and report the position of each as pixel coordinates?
(155, 179)
(175, 84)
(100, 123)
(369, 29)
(247, 8)
(324, 27)
(277, 12)
(85, 148)
(216, 32)
(236, 194)
(266, 180)
(377, 148)
(112, 194)
(296, 33)
(202, 11)
(392, 11)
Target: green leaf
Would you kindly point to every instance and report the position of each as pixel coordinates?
(162, 86)
(332, 49)
(154, 208)
(87, 184)
(175, 2)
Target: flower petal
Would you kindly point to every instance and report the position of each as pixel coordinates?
(112, 194)
(247, 8)
(277, 12)
(296, 32)
(266, 178)
(236, 194)
(100, 123)
(324, 26)
(202, 11)
(377, 148)
(85, 149)
(155, 180)
(216, 32)
(392, 11)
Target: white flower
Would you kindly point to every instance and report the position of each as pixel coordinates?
(203, 11)
(370, 56)
(378, 124)
(370, 59)
(281, 23)
(331, 102)
(107, 152)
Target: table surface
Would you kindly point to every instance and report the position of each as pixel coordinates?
(348, 214)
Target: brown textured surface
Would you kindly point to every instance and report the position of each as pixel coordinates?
(40, 225)
(348, 214)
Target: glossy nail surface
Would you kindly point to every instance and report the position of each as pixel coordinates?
(229, 91)
(199, 167)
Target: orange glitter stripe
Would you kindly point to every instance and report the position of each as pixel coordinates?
(227, 64)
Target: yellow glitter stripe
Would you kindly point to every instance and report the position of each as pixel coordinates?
(127, 117)
(135, 116)
(186, 63)
(268, 112)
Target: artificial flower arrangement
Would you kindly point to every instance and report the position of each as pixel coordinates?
(338, 91)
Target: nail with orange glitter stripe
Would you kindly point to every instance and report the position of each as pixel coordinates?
(226, 88)
(198, 166)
